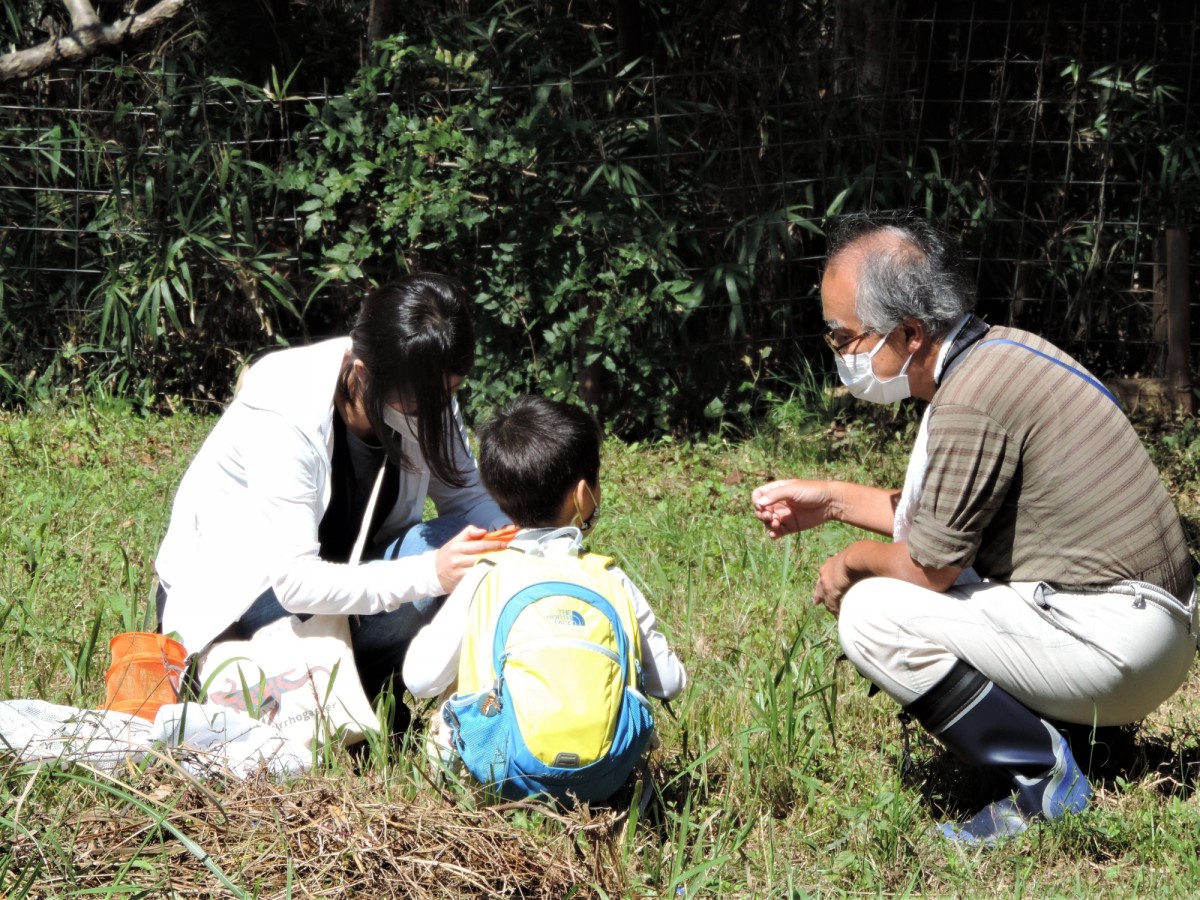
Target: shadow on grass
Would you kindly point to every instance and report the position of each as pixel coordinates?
(679, 790)
(1110, 756)
(1172, 760)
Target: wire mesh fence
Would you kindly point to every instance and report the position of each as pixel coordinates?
(1054, 140)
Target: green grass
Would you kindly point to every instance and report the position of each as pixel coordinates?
(779, 776)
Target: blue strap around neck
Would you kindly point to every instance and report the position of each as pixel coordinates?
(1058, 362)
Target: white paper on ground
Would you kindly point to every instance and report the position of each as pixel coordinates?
(202, 738)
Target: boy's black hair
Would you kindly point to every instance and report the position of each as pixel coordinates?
(533, 452)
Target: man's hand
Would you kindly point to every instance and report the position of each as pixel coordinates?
(833, 581)
(460, 553)
(869, 559)
(786, 507)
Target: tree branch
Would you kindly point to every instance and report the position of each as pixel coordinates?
(82, 14)
(88, 36)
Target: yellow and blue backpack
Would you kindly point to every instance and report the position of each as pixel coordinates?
(549, 698)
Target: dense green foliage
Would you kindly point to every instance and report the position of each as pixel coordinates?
(638, 207)
(424, 157)
(162, 281)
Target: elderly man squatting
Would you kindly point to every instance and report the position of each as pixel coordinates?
(1038, 569)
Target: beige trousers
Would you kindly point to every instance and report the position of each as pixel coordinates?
(1091, 658)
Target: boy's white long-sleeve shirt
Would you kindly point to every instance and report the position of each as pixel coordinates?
(431, 664)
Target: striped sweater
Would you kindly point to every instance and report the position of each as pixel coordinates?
(1035, 475)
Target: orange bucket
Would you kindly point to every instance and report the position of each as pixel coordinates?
(146, 672)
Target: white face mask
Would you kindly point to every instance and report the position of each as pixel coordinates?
(858, 375)
(397, 421)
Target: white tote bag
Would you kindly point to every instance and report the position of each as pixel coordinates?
(298, 675)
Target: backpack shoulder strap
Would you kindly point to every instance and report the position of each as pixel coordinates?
(595, 564)
(476, 667)
(599, 569)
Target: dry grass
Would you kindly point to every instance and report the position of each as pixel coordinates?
(318, 836)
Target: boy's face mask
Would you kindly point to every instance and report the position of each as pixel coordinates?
(857, 374)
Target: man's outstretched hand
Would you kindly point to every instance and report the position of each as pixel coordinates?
(786, 507)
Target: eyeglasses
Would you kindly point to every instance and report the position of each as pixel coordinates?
(838, 346)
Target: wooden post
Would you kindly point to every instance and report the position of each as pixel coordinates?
(1178, 316)
(864, 34)
(589, 376)
(381, 20)
(1160, 332)
(629, 30)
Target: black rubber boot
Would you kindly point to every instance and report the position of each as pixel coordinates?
(983, 725)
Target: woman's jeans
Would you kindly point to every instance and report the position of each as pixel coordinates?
(381, 640)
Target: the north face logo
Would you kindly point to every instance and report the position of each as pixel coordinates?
(567, 617)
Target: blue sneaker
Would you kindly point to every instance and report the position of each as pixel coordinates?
(994, 822)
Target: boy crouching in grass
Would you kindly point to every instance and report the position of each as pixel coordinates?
(547, 647)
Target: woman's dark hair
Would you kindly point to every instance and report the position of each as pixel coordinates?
(412, 335)
(533, 452)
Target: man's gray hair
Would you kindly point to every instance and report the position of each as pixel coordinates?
(907, 269)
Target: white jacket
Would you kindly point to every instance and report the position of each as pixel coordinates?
(246, 514)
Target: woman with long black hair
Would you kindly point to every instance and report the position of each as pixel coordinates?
(326, 447)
